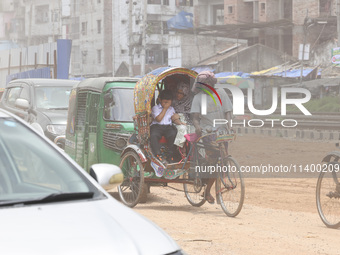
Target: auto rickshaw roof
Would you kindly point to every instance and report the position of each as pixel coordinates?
(145, 87)
(98, 84)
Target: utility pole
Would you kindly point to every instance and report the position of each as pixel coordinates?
(143, 54)
(130, 40)
(30, 26)
(305, 33)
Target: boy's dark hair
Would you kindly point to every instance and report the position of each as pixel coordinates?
(166, 94)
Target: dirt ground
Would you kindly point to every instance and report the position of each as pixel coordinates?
(279, 215)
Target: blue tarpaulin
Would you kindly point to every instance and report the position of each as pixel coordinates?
(225, 74)
(199, 69)
(63, 64)
(63, 58)
(36, 73)
(295, 73)
(182, 20)
(159, 70)
(77, 78)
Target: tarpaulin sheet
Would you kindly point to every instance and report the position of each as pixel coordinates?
(36, 73)
(199, 69)
(225, 74)
(63, 58)
(182, 20)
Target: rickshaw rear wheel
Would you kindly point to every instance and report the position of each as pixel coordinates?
(130, 191)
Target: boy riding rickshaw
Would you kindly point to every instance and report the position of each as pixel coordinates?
(170, 147)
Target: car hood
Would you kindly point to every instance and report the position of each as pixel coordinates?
(91, 227)
(58, 117)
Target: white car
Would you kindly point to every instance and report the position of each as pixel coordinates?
(49, 205)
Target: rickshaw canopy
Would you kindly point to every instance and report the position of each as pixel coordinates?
(145, 87)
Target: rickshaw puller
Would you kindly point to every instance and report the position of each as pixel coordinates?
(205, 122)
(162, 126)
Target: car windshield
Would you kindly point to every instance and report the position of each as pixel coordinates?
(115, 101)
(52, 97)
(30, 168)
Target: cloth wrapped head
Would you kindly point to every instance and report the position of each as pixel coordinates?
(205, 77)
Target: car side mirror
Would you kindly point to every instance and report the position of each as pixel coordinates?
(107, 175)
(22, 103)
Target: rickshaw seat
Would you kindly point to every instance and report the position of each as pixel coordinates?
(191, 137)
(163, 140)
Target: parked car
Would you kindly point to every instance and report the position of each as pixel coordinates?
(41, 102)
(100, 120)
(50, 205)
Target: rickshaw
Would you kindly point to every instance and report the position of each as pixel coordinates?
(142, 169)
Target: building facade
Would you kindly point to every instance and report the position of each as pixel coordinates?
(107, 36)
(284, 37)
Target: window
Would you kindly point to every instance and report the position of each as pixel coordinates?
(84, 56)
(52, 97)
(84, 28)
(99, 56)
(219, 14)
(35, 166)
(114, 109)
(12, 95)
(185, 2)
(25, 93)
(98, 1)
(99, 26)
(41, 14)
(165, 27)
(165, 2)
(157, 57)
(325, 7)
(263, 7)
(154, 27)
(154, 1)
(230, 9)
(55, 16)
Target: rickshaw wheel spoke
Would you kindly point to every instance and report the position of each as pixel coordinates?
(131, 188)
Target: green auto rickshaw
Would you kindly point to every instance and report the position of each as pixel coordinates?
(100, 120)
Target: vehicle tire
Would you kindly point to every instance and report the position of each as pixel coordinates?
(194, 192)
(230, 187)
(328, 197)
(131, 189)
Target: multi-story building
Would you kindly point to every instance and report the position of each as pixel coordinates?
(280, 24)
(87, 23)
(90, 29)
(12, 17)
(157, 13)
(104, 42)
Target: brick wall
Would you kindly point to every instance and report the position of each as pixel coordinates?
(300, 10)
(241, 12)
(269, 10)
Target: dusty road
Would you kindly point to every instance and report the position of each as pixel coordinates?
(279, 215)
